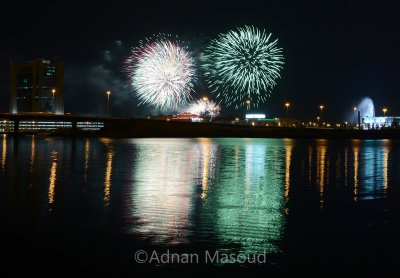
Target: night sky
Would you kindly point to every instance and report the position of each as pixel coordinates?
(335, 54)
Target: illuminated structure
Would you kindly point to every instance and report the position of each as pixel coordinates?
(187, 116)
(260, 119)
(255, 116)
(37, 86)
(380, 122)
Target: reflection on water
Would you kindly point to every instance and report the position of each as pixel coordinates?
(243, 204)
(385, 167)
(288, 160)
(33, 152)
(4, 152)
(162, 188)
(247, 209)
(233, 194)
(356, 150)
(87, 152)
(206, 163)
(53, 176)
(108, 170)
(321, 169)
(346, 163)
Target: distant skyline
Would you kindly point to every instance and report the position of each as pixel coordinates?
(335, 53)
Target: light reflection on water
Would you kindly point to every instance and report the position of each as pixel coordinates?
(234, 194)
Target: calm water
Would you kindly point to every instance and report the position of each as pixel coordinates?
(310, 205)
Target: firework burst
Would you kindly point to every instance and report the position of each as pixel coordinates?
(204, 108)
(161, 73)
(243, 64)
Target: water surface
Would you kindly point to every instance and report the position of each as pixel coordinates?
(308, 204)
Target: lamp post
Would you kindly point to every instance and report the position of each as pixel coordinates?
(384, 111)
(53, 92)
(108, 102)
(354, 114)
(248, 102)
(318, 120)
(287, 104)
(321, 107)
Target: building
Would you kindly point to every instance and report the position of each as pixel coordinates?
(187, 116)
(380, 122)
(260, 119)
(37, 86)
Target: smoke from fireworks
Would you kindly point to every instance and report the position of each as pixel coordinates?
(161, 73)
(204, 108)
(243, 64)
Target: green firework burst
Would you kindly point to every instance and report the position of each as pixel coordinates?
(243, 64)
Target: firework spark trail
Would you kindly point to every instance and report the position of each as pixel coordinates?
(162, 74)
(243, 64)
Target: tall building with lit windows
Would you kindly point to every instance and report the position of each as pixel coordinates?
(37, 86)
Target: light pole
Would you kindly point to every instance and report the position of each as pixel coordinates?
(384, 111)
(248, 101)
(318, 120)
(53, 92)
(205, 111)
(354, 114)
(108, 102)
(287, 104)
(321, 107)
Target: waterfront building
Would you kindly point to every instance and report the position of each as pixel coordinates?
(36, 86)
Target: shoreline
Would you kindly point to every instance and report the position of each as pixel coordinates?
(143, 128)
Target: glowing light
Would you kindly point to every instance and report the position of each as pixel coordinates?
(243, 63)
(161, 73)
(255, 116)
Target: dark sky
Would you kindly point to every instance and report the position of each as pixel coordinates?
(335, 53)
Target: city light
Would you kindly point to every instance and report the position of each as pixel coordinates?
(287, 104)
(255, 116)
(108, 102)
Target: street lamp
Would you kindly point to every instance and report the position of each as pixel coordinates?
(287, 104)
(354, 114)
(108, 102)
(384, 111)
(205, 98)
(318, 120)
(53, 92)
(321, 107)
(248, 103)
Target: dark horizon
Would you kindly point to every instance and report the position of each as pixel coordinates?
(335, 54)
